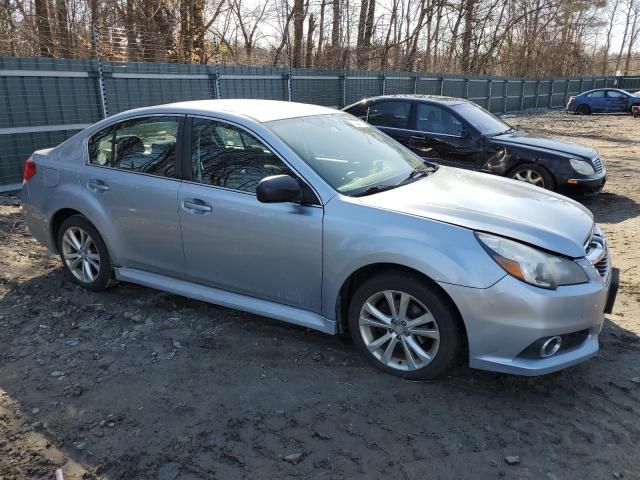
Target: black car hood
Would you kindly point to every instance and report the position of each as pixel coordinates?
(545, 143)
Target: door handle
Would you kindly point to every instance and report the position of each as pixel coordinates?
(196, 206)
(418, 137)
(97, 186)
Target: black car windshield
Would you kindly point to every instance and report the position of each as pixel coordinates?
(349, 154)
(483, 121)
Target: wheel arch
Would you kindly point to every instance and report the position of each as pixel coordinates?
(350, 284)
(58, 218)
(56, 222)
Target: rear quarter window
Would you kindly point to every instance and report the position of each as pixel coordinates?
(359, 110)
(101, 147)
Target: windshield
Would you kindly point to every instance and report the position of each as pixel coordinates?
(485, 122)
(349, 154)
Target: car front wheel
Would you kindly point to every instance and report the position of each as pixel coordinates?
(529, 173)
(404, 327)
(84, 254)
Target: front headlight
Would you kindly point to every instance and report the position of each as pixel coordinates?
(531, 265)
(581, 166)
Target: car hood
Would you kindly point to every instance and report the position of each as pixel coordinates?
(488, 203)
(546, 143)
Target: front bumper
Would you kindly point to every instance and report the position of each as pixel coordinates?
(593, 184)
(504, 320)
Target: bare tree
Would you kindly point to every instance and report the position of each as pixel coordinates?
(44, 28)
(298, 32)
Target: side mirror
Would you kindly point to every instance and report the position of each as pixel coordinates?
(278, 189)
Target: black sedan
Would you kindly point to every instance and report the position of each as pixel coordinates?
(459, 133)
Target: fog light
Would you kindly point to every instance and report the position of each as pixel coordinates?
(551, 346)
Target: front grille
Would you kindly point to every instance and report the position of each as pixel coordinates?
(602, 265)
(597, 252)
(597, 164)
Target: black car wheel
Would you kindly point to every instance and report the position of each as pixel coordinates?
(634, 105)
(583, 110)
(533, 174)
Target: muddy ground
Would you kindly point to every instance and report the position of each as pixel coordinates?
(137, 384)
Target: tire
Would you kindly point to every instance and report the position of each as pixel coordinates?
(583, 110)
(534, 175)
(439, 334)
(94, 270)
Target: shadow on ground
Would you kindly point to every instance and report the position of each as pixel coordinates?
(608, 207)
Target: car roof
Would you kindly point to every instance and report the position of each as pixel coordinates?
(605, 88)
(253, 109)
(430, 98)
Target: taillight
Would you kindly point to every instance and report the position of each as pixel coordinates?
(29, 170)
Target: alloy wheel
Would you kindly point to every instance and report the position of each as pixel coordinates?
(529, 176)
(80, 254)
(399, 330)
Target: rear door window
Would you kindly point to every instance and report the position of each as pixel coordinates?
(596, 94)
(390, 114)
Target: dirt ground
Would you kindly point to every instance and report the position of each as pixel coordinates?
(133, 383)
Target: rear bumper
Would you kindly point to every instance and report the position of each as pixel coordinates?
(505, 319)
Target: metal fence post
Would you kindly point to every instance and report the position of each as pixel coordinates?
(581, 85)
(566, 92)
(551, 94)
(524, 83)
(537, 91)
(506, 90)
(415, 83)
(490, 94)
(384, 83)
(442, 85)
(101, 90)
(216, 80)
(344, 88)
(466, 88)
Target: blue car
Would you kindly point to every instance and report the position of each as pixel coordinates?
(603, 100)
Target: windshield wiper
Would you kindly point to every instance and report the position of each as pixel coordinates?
(509, 130)
(374, 189)
(414, 175)
(417, 173)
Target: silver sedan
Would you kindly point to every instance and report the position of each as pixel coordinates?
(313, 217)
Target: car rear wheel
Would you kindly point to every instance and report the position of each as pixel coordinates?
(534, 175)
(84, 254)
(404, 327)
(583, 110)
